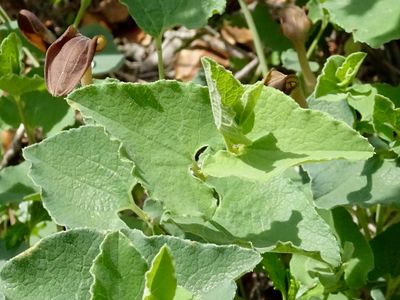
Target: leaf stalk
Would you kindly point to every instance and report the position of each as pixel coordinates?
(256, 37)
(158, 43)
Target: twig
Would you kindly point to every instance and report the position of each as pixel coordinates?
(240, 75)
(15, 147)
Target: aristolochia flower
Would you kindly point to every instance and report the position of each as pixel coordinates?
(67, 60)
(295, 24)
(34, 30)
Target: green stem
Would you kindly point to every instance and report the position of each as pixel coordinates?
(256, 37)
(141, 214)
(161, 72)
(314, 44)
(392, 285)
(309, 77)
(33, 59)
(4, 15)
(28, 130)
(379, 218)
(363, 221)
(84, 5)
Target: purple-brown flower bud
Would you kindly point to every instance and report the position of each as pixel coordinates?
(295, 24)
(67, 60)
(280, 81)
(34, 30)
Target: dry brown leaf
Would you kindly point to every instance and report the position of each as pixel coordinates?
(236, 35)
(187, 62)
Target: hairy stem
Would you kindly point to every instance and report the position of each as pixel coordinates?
(158, 42)
(256, 37)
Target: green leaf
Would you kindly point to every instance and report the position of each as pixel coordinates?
(386, 253)
(118, 270)
(361, 262)
(162, 125)
(335, 105)
(55, 268)
(280, 218)
(10, 55)
(213, 264)
(386, 118)
(7, 254)
(57, 116)
(338, 73)
(276, 271)
(17, 85)
(285, 135)
(83, 180)
(372, 22)
(363, 183)
(362, 98)
(108, 59)
(160, 279)
(157, 16)
(225, 94)
(388, 91)
(15, 184)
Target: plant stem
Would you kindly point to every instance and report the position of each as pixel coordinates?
(4, 15)
(379, 218)
(158, 42)
(314, 43)
(256, 37)
(363, 221)
(28, 130)
(33, 59)
(392, 286)
(309, 77)
(141, 214)
(84, 5)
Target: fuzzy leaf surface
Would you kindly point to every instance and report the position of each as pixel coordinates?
(15, 184)
(55, 268)
(280, 217)
(338, 73)
(372, 22)
(156, 16)
(84, 183)
(363, 183)
(119, 270)
(284, 135)
(161, 125)
(200, 268)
